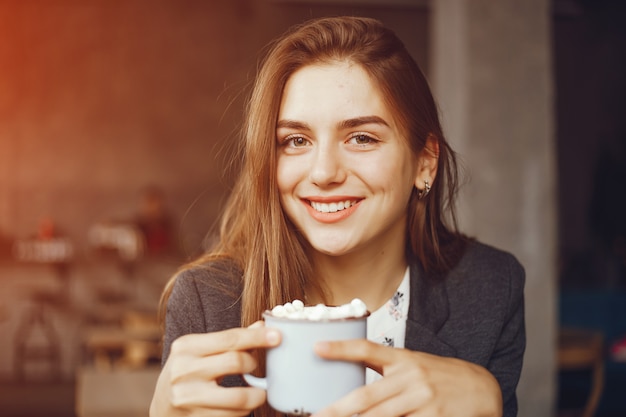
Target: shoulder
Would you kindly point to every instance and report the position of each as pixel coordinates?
(480, 255)
(209, 291)
(486, 277)
(207, 278)
(484, 268)
(204, 298)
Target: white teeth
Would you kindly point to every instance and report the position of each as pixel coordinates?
(332, 207)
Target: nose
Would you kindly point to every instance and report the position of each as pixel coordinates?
(327, 166)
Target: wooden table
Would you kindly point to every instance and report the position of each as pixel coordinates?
(111, 346)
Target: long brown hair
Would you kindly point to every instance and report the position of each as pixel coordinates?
(255, 233)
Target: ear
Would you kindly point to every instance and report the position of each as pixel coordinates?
(427, 162)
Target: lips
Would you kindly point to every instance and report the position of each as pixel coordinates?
(331, 209)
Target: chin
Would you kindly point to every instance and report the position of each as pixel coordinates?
(332, 250)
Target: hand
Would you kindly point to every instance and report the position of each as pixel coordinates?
(189, 382)
(413, 384)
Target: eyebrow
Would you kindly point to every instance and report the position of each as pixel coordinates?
(344, 124)
(360, 121)
(292, 124)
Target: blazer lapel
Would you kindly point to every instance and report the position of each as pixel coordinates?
(428, 311)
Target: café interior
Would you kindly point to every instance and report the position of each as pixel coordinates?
(117, 120)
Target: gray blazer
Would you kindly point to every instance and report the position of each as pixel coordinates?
(474, 313)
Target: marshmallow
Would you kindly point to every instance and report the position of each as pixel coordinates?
(297, 310)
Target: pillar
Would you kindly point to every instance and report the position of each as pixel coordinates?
(491, 72)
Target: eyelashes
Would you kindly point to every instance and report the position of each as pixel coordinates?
(295, 141)
(362, 139)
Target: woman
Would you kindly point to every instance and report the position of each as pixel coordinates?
(346, 191)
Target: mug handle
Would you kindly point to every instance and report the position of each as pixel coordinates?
(255, 381)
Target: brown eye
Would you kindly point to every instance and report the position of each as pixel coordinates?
(295, 141)
(299, 141)
(362, 139)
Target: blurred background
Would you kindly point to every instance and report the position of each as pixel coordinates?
(117, 119)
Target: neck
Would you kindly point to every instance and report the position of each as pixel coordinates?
(373, 279)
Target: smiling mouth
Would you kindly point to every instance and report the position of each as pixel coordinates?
(331, 207)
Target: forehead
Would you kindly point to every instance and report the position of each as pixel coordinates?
(341, 88)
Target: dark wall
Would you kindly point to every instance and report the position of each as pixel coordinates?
(590, 68)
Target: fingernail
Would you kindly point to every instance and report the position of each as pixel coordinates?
(272, 337)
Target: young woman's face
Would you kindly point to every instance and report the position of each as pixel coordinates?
(345, 171)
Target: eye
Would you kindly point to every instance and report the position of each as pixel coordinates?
(362, 139)
(295, 141)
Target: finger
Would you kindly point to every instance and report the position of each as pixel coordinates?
(363, 399)
(375, 355)
(413, 402)
(396, 395)
(256, 324)
(223, 341)
(211, 367)
(203, 412)
(194, 394)
(398, 406)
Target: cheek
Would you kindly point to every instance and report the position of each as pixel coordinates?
(287, 179)
(399, 182)
(286, 175)
(386, 175)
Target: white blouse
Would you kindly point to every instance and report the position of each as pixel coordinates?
(387, 325)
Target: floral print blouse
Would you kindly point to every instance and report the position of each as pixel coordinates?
(387, 325)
